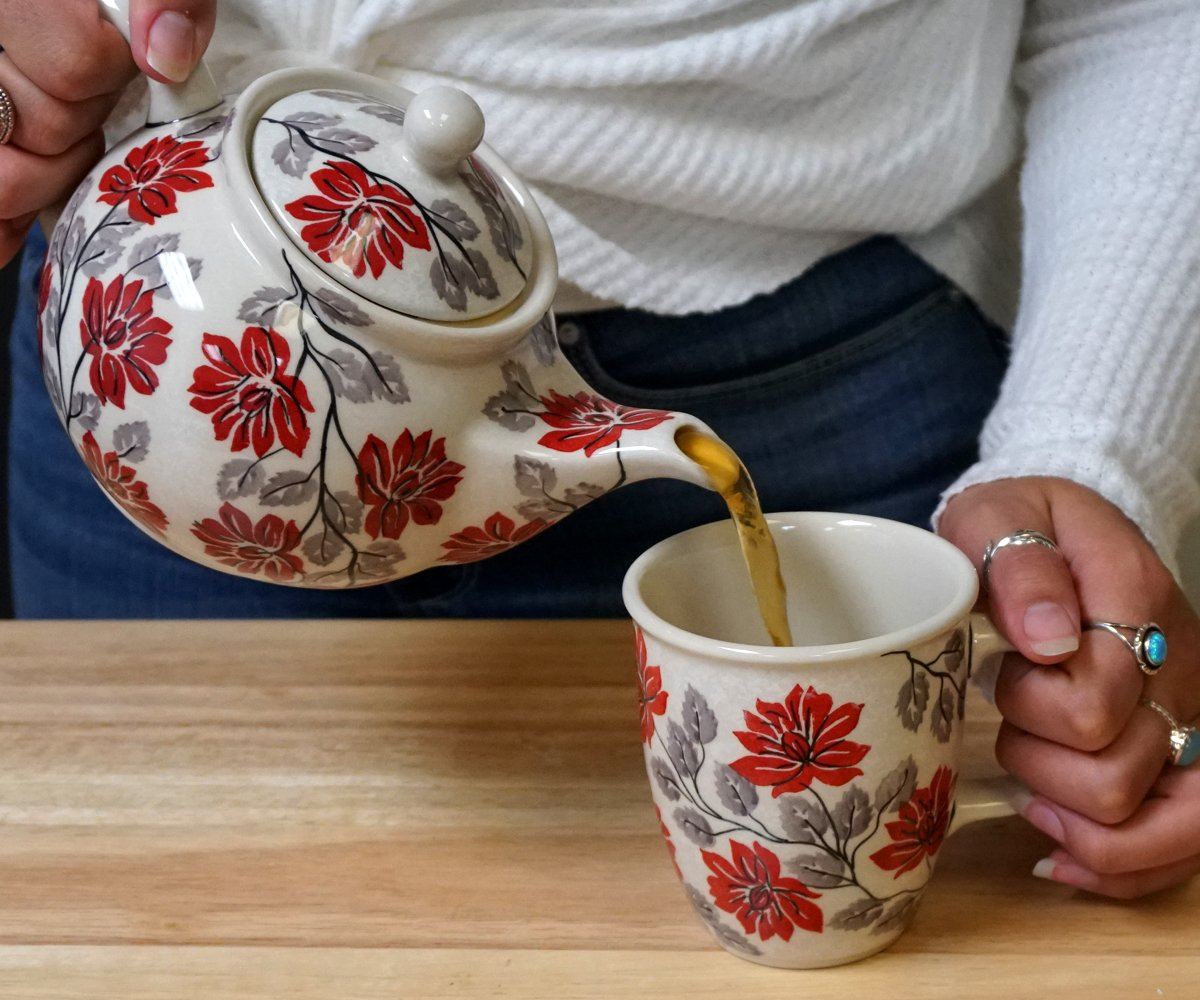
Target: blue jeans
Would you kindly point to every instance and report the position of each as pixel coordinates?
(858, 387)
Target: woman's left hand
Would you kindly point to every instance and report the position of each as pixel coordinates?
(1075, 731)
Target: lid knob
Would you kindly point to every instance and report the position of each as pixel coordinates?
(442, 126)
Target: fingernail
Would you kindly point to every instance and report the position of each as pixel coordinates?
(1044, 869)
(1020, 801)
(1050, 630)
(1045, 819)
(171, 45)
(1066, 873)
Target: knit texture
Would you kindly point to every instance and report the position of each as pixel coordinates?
(690, 154)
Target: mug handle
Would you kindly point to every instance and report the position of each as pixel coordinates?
(985, 798)
(168, 102)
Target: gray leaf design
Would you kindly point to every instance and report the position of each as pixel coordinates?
(131, 441)
(197, 128)
(455, 219)
(941, 719)
(897, 786)
(165, 268)
(359, 381)
(292, 156)
(323, 546)
(340, 309)
(695, 826)
(582, 493)
(344, 510)
(699, 722)
(952, 655)
(310, 120)
(453, 276)
(289, 488)
(70, 213)
(859, 914)
(104, 250)
(897, 915)
(664, 778)
(240, 478)
(710, 915)
(54, 391)
(73, 238)
(502, 223)
(682, 751)
(343, 141)
(85, 406)
(543, 509)
(803, 820)
(380, 557)
(819, 870)
(852, 815)
(146, 251)
(543, 341)
(912, 699)
(384, 112)
(532, 477)
(259, 309)
(510, 407)
(737, 794)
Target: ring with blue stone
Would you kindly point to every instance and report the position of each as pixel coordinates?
(1147, 643)
(1185, 740)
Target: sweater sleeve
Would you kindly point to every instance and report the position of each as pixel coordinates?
(1104, 382)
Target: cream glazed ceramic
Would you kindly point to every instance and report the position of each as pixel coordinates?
(304, 336)
(805, 793)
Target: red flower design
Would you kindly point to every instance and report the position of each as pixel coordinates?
(45, 283)
(249, 394)
(121, 483)
(153, 175)
(669, 842)
(800, 741)
(591, 422)
(922, 826)
(652, 699)
(407, 482)
(356, 221)
(766, 903)
(266, 547)
(497, 534)
(124, 337)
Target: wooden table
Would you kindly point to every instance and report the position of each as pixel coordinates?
(351, 810)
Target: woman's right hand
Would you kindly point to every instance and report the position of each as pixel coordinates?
(64, 67)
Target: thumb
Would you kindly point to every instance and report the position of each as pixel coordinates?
(168, 37)
(1029, 588)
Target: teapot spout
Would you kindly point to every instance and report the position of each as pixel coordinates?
(656, 454)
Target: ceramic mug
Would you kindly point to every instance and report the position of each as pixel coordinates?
(805, 792)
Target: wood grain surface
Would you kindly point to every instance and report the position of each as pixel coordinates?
(346, 810)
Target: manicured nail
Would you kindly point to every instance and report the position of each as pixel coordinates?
(1020, 800)
(1045, 819)
(1044, 869)
(1050, 630)
(1067, 873)
(171, 45)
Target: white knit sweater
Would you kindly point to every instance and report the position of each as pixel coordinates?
(692, 153)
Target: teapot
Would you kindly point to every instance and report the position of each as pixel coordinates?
(304, 335)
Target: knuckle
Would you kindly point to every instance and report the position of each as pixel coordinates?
(1116, 797)
(1099, 852)
(1093, 720)
(10, 192)
(54, 130)
(79, 77)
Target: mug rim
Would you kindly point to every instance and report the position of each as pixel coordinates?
(953, 612)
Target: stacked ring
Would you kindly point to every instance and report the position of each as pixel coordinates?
(8, 117)
(1185, 740)
(1147, 643)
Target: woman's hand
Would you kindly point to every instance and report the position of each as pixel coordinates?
(64, 66)
(1074, 729)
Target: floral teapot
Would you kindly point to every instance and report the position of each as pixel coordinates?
(304, 335)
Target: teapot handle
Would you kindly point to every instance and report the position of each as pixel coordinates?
(168, 101)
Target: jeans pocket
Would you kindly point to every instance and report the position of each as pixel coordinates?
(857, 348)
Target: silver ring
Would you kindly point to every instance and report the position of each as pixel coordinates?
(1026, 536)
(1147, 643)
(8, 117)
(1185, 740)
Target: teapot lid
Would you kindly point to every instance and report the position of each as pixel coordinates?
(390, 201)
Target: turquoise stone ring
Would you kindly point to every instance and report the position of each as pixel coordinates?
(1147, 643)
(1185, 740)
